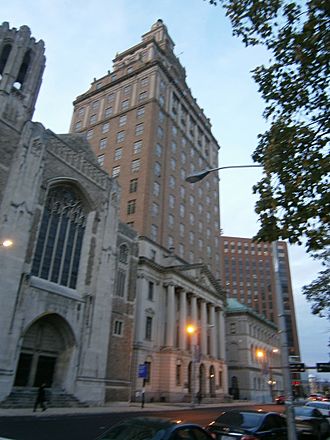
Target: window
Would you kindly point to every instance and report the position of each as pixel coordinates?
(173, 146)
(92, 119)
(78, 126)
(144, 81)
(174, 130)
(60, 238)
(120, 283)
(103, 143)
(175, 104)
(135, 166)
(143, 96)
(155, 209)
(159, 150)
(95, 105)
(115, 171)
(157, 169)
(118, 328)
(139, 129)
(108, 112)
(178, 375)
(131, 205)
(118, 153)
(111, 97)
(122, 120)
(105, 127)
(120, 136)
(156, 189)
(140, 112)
(154, 232)
(127, 90)
(133, 185)
(100, 159)
(173, 163)
(182, 210)
(172, 182)
(150, 291)
(171, 220)
(123, 253)
(170, 241)
(171, 201)
(89, 134)
(148, 368)
(81, 111)
(137, 146)
(161, 100)
(124, 105)
(161, 116)
(160, 132)
(148, 329)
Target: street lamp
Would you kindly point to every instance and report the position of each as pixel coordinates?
(191, 330)
(6, 243)
(280, 307)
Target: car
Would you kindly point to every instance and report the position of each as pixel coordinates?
(316, 396)
(311, 423)
(280, 400)
(249, 424)
(155, 428)
(323, 407)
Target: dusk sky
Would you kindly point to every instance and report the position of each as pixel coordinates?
(82, 38)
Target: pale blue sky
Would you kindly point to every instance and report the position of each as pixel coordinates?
(81, 40)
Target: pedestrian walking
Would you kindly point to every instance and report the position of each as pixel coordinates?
(41, 398)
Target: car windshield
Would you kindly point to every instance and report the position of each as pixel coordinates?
(241, 419)
(137, 430)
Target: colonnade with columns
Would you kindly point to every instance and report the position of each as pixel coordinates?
(183, 308)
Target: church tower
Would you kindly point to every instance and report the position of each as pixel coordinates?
(22, 62)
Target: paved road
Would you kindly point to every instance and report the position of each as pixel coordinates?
(88, 425)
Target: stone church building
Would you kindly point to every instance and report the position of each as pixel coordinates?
(63, 311)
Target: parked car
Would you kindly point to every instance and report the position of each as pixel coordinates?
(280, 400)
(316, 396)
(311, 423)
(248, 424)
(323, 407)
(153, 428)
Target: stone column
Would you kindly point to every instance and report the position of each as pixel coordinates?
(221, 335)
(213, 345)
(183, 320)
(170, 321)
(203, 328)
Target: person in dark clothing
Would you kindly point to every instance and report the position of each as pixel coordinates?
(41, 398)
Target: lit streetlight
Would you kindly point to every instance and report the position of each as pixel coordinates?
(192, 330)
(280, 308)
(6, 243)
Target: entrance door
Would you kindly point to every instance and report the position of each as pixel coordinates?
(45, 371)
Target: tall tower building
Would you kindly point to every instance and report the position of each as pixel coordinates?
(248, 276)
(148, 131)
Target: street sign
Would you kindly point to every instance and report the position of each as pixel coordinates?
(297, 367)
(143, 372)
(323, 367)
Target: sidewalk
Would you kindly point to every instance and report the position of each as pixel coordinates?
(115, 407)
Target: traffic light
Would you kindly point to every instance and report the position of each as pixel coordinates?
(297, 367)
(323, 367)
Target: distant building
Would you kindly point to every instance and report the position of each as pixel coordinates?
(67, 290)
(247, 274)
(253, 354)
(149, 133)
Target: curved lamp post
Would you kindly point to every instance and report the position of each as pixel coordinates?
(280, 308)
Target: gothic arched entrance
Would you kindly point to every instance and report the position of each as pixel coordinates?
(45, 353)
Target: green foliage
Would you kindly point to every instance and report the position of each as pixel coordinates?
(294, 193)
(318, 292)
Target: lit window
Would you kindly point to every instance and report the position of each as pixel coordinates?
(131, 206)
(135, 165)
(139, 129)
(118, 153)
(116, 171)
(122, 120)
(137, 146)
(100, 159)
(103, 143)
(120, 136)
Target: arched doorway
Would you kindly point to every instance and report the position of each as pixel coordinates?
(45, 353)
(212, 381)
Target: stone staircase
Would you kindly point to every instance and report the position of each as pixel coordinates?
(25, 398)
